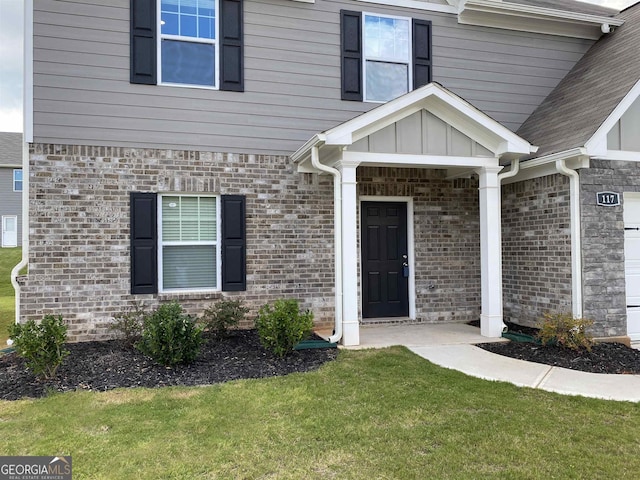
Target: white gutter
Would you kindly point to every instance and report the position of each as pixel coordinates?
(576, 242)
(337, 235)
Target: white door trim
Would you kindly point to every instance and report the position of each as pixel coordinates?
(15, 232)
(633, 313)
(410, 246)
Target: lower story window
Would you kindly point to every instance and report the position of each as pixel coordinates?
(189, 243)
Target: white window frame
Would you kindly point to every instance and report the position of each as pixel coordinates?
(216, 242)
(14, 180)
(215, 42)
(383, 60)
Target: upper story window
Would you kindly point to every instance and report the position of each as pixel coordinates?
(188, 42)
(17, 180)
(387, 57)
(382, 56)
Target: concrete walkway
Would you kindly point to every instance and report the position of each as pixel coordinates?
(452, 346)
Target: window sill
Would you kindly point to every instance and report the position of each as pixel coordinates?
(201, 295)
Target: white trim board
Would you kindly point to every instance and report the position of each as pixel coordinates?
(417, 4)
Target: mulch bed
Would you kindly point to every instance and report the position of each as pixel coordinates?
(603, 357)
(106, 365)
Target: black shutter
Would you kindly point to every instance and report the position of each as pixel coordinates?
(144, 241)
(143, 47)
(421, 52)
(351, 55)
(231, 46)
(234, 243)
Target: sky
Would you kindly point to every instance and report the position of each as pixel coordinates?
(11, 24)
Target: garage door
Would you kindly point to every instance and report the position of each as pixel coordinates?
(632, 262)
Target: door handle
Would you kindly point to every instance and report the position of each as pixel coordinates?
(405, 266)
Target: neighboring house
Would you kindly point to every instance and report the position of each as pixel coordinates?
(11, 188)
(348, 153)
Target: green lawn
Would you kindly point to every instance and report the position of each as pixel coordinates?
(373, 414)
(9, 258)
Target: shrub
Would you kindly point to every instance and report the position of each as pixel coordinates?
(282, 326)
(170, 336)
(566, 331)
(41, 345)
(128, 325)
(223, 315)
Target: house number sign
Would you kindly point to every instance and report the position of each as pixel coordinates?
(608, 199)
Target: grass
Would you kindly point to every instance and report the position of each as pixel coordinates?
(372, 414)
(9, 258)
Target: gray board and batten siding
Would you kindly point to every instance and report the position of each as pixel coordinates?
(82, 93)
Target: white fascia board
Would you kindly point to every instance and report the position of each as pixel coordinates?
(304, 1)
(415, 4)
(620, 155)
(511, 16)
(409, 160)
(305, 150)
(445, 105)
(345, 132)
(477, 125)
(542, 166)
(597, 144)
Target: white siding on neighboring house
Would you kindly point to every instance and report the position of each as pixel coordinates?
(82, 93)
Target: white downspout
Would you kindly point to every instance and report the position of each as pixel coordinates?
(576, 243)
(515, 169)
(27, 137)
(25, 228)
(337, 234)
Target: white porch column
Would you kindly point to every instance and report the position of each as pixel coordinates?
(491, 324)
(350, 323)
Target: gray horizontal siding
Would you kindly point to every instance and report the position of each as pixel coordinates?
(82, 93)
(10, 148)
(10, 201)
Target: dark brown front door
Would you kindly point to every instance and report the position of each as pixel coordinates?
(385, 282)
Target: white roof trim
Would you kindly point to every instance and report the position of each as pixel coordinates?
(445, 105)
(597, 144)
(415, 4)
(528, 18)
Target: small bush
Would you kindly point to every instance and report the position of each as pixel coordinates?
(223, 315)
(170, 336)
(566, 331)
(41, 345)
(128, 325)
(282, 326)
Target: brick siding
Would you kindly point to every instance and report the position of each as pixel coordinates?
(536, 248)
(79, 263)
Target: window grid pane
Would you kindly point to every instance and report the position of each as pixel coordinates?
(188, 18)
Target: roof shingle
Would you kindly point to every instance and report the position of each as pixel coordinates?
(585, 98)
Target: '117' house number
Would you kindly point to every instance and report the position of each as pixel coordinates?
(608, 199)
